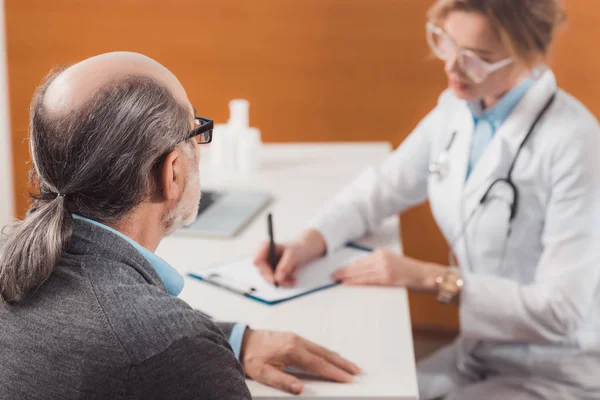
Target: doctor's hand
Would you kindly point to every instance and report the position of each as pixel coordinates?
(265, 355)
(309, 246)
(386, 268)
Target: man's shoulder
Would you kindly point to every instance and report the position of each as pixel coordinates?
(193, 367)
(143, 316)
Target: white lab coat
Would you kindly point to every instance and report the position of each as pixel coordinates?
(531, 299)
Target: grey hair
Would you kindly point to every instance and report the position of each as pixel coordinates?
(98, 162)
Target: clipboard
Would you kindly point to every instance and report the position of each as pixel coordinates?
(242, 277)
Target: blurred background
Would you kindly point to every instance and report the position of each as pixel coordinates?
(313, 70)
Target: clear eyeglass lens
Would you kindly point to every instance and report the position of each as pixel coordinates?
(472, 66)
(441, 45)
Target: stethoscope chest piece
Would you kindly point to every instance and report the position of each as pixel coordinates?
(441, 167)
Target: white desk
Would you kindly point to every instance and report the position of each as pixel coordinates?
(370, 326)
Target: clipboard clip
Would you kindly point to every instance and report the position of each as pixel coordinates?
(220, 281)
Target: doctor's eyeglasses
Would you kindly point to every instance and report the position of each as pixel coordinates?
(444, 48)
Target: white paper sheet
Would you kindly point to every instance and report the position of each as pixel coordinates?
(243, 277)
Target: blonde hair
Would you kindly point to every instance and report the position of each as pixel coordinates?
(526, 27)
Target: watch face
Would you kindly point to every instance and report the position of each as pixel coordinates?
(449, 286)
(451, 282)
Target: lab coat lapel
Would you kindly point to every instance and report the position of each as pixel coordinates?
(495, 160)
(463, 125)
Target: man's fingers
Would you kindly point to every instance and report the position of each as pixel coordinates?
(333, 357)
(274, 377)
(316, 364)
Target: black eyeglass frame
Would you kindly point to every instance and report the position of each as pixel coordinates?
(206, 127)
(204, 130)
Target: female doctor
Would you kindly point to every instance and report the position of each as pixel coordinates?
(510, 165)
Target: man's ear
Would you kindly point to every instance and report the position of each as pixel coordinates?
(171, 175)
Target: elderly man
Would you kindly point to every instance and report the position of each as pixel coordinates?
(88, 310)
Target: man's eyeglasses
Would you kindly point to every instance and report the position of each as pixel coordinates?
(204, 130)
(202, 134)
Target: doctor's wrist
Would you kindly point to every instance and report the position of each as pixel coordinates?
(312, 244)
(429, 275)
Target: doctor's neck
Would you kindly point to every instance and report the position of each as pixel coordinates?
(491, 100)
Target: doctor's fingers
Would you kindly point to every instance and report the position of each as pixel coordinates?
(370, 273)
(262, 262)
(358, 267)
(365, 280)
(287, 266)
(368, 276)
(266, 272)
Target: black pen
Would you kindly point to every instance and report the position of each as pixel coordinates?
(272, 250)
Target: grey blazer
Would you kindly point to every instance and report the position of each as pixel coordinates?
(103, 326)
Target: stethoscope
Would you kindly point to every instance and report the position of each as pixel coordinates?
(441, 166)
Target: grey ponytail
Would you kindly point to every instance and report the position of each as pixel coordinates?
(97, 162)
(33, 247)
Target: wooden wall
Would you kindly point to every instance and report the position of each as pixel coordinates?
(313, 70)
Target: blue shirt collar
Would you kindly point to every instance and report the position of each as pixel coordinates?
(172, 279)
(498, 113)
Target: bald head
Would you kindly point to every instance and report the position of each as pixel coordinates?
(76, 85)
(106, 138)
(102, 130)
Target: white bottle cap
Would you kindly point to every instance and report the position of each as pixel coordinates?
(238, 113)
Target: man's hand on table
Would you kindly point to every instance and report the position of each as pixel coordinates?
(266, 354)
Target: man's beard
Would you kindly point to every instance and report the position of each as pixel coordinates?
(186, 210)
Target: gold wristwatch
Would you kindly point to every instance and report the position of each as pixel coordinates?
(449, 283)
